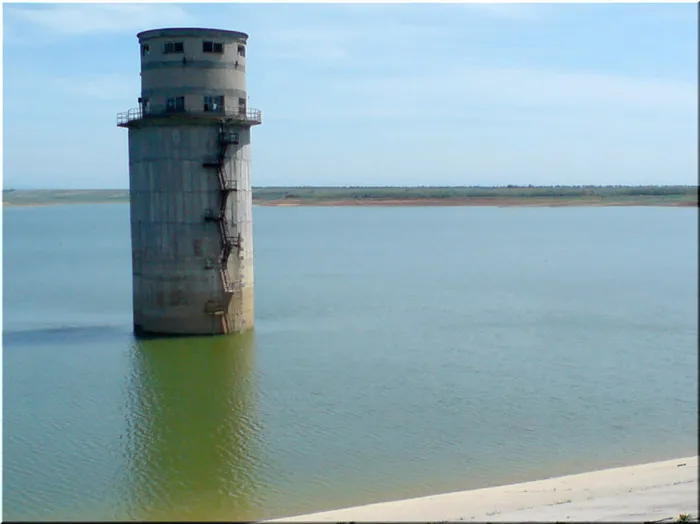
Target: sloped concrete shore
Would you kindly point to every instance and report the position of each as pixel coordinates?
(659, 492)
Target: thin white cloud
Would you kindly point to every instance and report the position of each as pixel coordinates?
(533, 88)
(553, 88)
(312, 44)
(523, 12)
(101, 87)
(500, 97)
(327, 55)
(342, 44)
(83, 19)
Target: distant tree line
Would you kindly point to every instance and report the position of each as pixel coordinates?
(509, 191)
(616, 192)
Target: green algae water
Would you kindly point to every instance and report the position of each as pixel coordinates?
(398, 352)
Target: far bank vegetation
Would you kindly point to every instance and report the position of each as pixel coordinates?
(509, 191)
(662, 195)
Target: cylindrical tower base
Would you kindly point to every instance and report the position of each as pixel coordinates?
(191, 227)
(189, 171)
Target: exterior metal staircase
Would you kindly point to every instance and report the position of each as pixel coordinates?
(229, 240)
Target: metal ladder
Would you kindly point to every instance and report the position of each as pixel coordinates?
(229, 240)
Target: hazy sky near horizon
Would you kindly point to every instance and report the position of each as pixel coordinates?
(377, 94)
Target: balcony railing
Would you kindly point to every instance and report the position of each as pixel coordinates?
(237, 114)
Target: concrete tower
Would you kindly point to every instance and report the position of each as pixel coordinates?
(190, 184)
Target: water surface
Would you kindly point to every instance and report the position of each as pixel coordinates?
(397, 352)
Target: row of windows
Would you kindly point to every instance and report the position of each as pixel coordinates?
(213, 104)
(179, 47)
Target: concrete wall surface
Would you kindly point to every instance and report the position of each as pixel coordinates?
(174, 249)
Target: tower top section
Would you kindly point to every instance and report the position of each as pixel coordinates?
(192, 32)
(194, 74)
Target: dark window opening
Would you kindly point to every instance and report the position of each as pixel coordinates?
(145, 105)
(173, 47)
(212, 47)
(145, 50)
(214, 104)
(176, 104)
(241, 106)
(230, 137)
(241, 50)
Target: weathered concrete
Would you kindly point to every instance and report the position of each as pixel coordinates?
(180, 285)
(192, 73)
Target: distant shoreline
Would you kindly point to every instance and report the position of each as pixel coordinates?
(60, 203)
(465, 202)
(510, 196)
(474, 202)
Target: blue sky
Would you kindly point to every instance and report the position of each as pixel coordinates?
(377, 94)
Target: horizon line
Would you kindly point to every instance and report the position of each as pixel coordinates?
(499, 186)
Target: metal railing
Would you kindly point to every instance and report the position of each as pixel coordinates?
(237, 114)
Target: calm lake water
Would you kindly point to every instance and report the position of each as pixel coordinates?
(398, 352)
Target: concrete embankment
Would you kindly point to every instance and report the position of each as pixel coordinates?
(659, 491)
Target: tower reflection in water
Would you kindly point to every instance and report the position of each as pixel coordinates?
(192, 430)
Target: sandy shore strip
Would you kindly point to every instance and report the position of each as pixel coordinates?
(422, 202)
(659, 492)
(475, 202)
